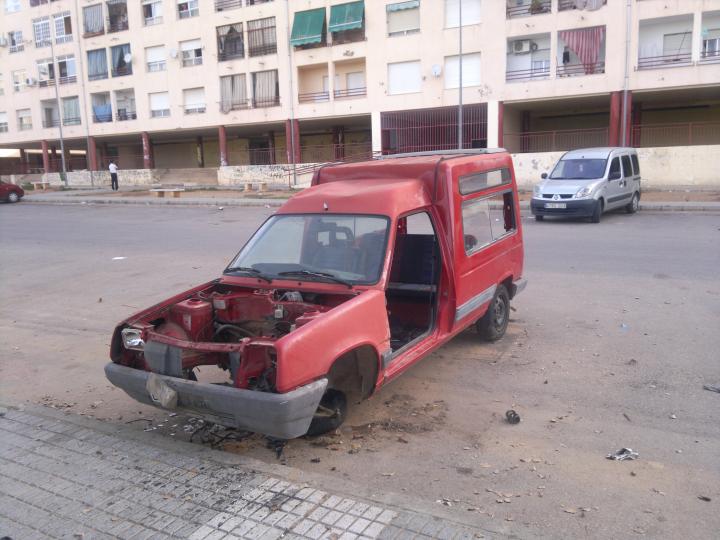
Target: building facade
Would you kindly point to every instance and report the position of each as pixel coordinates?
(208, 83)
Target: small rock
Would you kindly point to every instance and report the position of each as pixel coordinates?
(673, 416)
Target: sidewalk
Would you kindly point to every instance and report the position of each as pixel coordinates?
(64, 476)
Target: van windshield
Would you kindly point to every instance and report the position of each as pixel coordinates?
(578, 169)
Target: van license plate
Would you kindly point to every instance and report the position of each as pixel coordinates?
(555, 205)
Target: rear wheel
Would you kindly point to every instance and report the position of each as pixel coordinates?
(330, 413)
(13, 197)
(634, 204)
(597, 212)
(539, 218)
(493, 324)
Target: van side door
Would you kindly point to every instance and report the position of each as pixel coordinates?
(627, 183)
(613, 189)
(636, 172)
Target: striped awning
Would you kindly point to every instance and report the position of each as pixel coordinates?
(308, 27)
(411, 4)
(347, 16)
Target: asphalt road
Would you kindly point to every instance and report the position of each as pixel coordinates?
(609, 347)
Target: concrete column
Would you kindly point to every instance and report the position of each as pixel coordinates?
(148, 158)
(636, 121)
(200, 152)
(376, 131)
(331, 80)
(492, 124)
(23, 161)
(222, 145)
(615, 112)
(271, 146)
(92, 161)
(54, 162)
(45, 156)
(696, 36)
(501, 123)
(298, 152)
(338, 140)
(292, 130)
(525, 130)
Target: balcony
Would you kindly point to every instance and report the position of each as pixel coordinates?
(581, 52)
(69, 79)
(71, 121)
(663, 61)
(526, 8)
(350, 92)
(117, 25)
(538, 73)
(709, 57)
(573, 70)
(50, 122)
(262, 102)
(665, 42)
(528, 58)
(126, 114)
(314, 97)
(567, 5)
(46, 82)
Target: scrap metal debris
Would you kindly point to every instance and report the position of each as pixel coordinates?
(277, 445)
(623, 454)
(512, 417)
(704, 498)
(712, 388)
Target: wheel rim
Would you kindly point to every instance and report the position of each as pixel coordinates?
(13, 197)
(500, 312)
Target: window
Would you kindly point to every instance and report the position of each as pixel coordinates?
(15, 39)
(19, 79)
(50, 113)
(230, 43)
(3, 122)
(41, 31)
(471, 183)
(152, 12)
(487, 220)
(66, 69)
(101, 106)
(125, 102)
(93, 24)
(403, 18)
(677, 44)
(627, 167)
(470, 71)
(261, 37)
(159, 104)
(404, 77)
(155, 58)
(24, 119)
(233, 93)
(63, 27)
(97, 65)
(347, 22)
(266, 91)
(635, 163)
(117, 15)
(2, 88)
(355, 80)
(711, 43)
(194, 100)
(121, 60)
(46, 71)
(188, 8)
(11, 6)
(71, 111)
(191, 53)
(614, 168)
(470, 12)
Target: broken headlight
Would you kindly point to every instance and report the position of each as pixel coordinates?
(132, 339)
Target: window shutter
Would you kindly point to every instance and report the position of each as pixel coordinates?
(194, 97)
(404, 77)
(155, 54)
(190, 45)
(403, 20)
(159, 101)
(471, 70)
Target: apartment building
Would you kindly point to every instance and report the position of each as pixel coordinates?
(209, 83)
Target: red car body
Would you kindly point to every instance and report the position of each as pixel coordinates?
(10, 192)
(292, 342)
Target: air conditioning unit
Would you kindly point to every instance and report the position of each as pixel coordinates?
(521, 46)
(31, 81)
(3, 41)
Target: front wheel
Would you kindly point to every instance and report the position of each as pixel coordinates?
(539, 218)
(493, 324)
(634, 204)
(597, 212)
(13, 197)
(330, 413)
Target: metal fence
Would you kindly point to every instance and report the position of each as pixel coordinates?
(681, 134)
(554, 141)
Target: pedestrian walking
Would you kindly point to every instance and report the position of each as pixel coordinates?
(113, 175)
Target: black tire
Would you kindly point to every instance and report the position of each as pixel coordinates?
(493, 324)
(539, 218)
(597, 212)
(634, 204)
(330, 413)
(13, 197)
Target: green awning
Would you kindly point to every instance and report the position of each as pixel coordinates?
(347, 16)
(412, 4)
(308, 27)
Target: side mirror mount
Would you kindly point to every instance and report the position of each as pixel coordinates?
(615, 176)
(544, 176)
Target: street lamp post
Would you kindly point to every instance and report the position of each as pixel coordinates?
(460, 76)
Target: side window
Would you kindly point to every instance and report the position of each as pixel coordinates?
(636, 164)
(627, 168)
(614, 166)
(487, 220)
(470, 183)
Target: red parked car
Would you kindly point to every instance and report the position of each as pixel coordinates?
(347, 285)
(10, 192)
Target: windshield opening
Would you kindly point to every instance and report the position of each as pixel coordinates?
(345, 248)
(579, 169)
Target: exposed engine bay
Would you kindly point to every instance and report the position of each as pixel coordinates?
(229, 326)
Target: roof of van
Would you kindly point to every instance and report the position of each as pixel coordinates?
(602, 152)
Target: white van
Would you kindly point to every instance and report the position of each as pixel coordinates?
(588, 182)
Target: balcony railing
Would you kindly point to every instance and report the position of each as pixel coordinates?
(573, 70)
(680, 134)
(97, 76)
(230, 53)
(527, 74)
(710, 57)
(314, 97)
(531, 8)
(552, 141)
(566, 5)
(236, 105)
(63, 39)
(261, 102)
(667, 60)
(122, 71)
(350, 92)
(223, 5)
(47, 123)
(102, 118)
(116, 26)
(17, 48)
(263, 49)
(68, 79)
(149, 21)
(74, 121)
(87, 34)
(126, 114)
(46, 82)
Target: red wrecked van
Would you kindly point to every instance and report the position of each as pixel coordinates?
(348, 284)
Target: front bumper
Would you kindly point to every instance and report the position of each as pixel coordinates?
(284, 416)
(573, 208)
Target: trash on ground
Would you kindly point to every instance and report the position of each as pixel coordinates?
(119, 258)
(512, 417)
(704, 498)
(712, 388)
(623, 454)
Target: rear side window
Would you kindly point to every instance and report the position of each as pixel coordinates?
(614, 166)
(627, 168)
(487, 220)
(636, 163)
(474, 182)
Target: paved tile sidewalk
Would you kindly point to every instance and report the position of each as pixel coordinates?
(66, 477)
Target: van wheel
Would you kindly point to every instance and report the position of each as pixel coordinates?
(595, 218)
(493, 324)
(330, 413)
(634, 204)
(539, 218)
